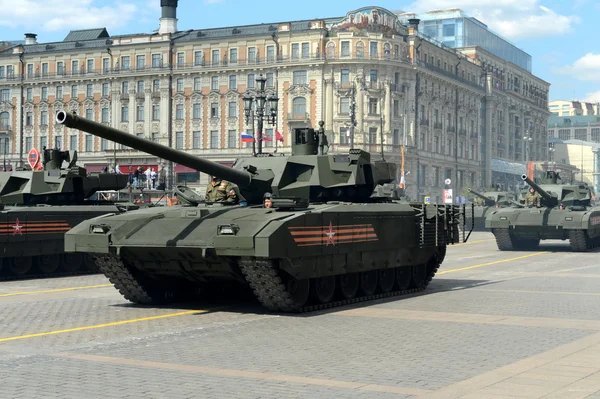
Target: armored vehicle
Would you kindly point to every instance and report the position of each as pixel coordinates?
(489, 200)
(37, 207)
(564, 213)
(320, 240)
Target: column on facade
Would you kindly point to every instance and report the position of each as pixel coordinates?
(360, 116)
(329, 105)
(388, 108)
(164, 115)
(148, 114)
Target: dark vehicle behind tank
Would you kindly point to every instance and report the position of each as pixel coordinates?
(564, 213)
(324, 242)
(37, 208)
(488, 201)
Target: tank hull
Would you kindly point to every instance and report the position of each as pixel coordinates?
(293, 260)
(523, 228)
(33, 240)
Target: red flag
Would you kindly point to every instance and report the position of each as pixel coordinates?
(267, 138)
(278, 136)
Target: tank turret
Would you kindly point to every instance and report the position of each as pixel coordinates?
(308, 173)
(488, 201)
(55, 185)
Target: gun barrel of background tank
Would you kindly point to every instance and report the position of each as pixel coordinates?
(481, 196)
(241, 178)
(534, 185)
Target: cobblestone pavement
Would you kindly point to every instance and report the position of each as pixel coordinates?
(491, 324)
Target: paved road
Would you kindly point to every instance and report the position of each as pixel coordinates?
(492, 324)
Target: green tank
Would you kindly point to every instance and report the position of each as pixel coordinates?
(37, 207)
(325, 240)
(564, 213)
(490, 200)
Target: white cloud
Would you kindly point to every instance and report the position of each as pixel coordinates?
(513, 19)
(592, 97)
(213, 1)
(585, 68)
(55, 15)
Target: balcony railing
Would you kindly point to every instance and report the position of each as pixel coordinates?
(298, 116)
(437, 125)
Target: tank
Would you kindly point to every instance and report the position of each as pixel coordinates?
(565, 213)
(325, 240)
(37, 208)
(489, 201)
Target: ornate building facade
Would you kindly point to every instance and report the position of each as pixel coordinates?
(184, 89)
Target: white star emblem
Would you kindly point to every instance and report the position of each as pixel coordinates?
(17, 228)
(330, 235)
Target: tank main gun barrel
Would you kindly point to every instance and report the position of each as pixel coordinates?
(239, 177)
(535, 186)
(483, 197)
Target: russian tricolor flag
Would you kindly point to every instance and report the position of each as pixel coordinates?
(247, 138)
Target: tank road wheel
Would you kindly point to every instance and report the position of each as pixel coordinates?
(71, 262)
(348, 285)
(368, 282)
(19, 265)
(503, 239)
(47, 264)
(419, 275)
(299, 290)
(387, 277)
(403, 277)
(579, 240)
(323, 288)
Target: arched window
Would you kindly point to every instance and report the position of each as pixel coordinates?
(330, 50)
(299, 108)
(360, 50)
(4, 119)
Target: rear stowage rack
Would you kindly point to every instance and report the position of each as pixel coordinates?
(441, 224)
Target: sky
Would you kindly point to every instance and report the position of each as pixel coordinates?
(560, 35)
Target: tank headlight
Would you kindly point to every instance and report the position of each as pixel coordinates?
(99, 229)
(569, 218)
(503, 218)
(227, 230)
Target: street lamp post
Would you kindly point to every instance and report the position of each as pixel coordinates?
(262, 102)
(353, 122)
(527, 140)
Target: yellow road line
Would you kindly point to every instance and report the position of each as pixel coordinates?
(491, 263)
(116, 323)
(85, 287)
(471, 242)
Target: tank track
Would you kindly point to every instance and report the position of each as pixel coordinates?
(31, 275)
(503, 239)
(271, 292)
(581, 242)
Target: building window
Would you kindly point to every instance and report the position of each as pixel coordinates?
(140, 86)
(180, 85)
(89, 91)
(58, 142)
(44, 93)
(372, 135)
(60, 68)
(29, 94)
(89, 114)
(73, 143)
(156, 85)
(59, 93)
(196, 139)
(372, 106)
(214, 83)
(295, 50)
(5, 95)
(156, 60)
(216, 57)
(125, 113)
(299, 78)
(179, 140)
(103, 144)
(75, 67)
(125, 88)
(373, 49)
(251, 54)
(448, 30)
(105, 65)
(271, 53)
(269, 83)
(89, 143)
(180, 60)
(345, 77)
(140, 62)
(232, 82)
(198, 58)
(373, 75)
(197, 84)
(299, 108)
(344, 135)
(345, 105)
(43, 142)
(233, 55)
(155, 112)
(179, 111)
(232, 111)
(345, 50)
(305, 50)
(4, 120)
(214, 139)
(105, 89)
(269, 138)
(125, 62)
(90, 66)
(44, 118)
(197, 111)
(140, 113)
(45, 69)
(251, 80)
(232, 138)
(104, 115)
(28, 118)
(28, 144)
(214, 110)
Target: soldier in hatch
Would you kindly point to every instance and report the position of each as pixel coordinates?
(533, 199)
(219, 190)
